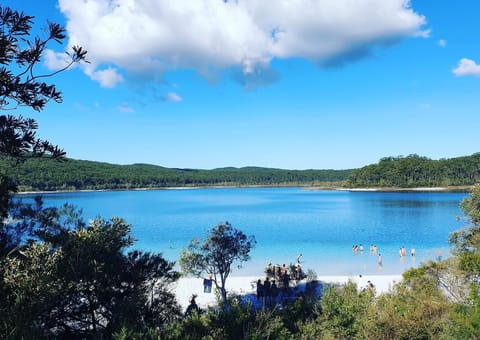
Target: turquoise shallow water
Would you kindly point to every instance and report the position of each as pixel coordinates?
(322, 225)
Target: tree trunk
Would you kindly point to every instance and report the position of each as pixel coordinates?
(224, 294)
(223, 291)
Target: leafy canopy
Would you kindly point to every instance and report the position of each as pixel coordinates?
(224, 246)
(21, 86)
(85, 283)
(466, 241)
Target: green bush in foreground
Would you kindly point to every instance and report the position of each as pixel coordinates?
(85, 284)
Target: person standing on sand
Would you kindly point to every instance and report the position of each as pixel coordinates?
(439, 255)
(412, 252)
(274, 291)
(269, 270)
(298, 272)
(285, 279)
(380, 261)
(284, 270)
(370, 286)
(207, 284)
(192, 307)
(260, 292)
(266, 289)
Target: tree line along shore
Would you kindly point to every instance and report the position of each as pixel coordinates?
(412, 172)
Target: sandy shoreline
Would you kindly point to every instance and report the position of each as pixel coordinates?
(305, 187)
(245, 285)
(420, 189)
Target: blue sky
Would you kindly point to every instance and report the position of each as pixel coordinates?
(300, 84)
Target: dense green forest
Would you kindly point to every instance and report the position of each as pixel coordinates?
(40, 174)
(416, 171)
(44, 175)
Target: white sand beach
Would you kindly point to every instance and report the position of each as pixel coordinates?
(244, 285)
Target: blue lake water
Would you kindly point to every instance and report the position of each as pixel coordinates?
(322, 225)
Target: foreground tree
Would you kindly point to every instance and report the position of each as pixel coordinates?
(85, 284)
(416, 308)
(59, 277)
(466, 242)
(21, 86)
(223, 247)
(439, 299)
(466, 248)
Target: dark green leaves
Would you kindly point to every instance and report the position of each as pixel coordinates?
(19, 84)
(18, 139)
(224, 246)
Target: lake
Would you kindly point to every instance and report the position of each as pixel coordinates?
(322, 225)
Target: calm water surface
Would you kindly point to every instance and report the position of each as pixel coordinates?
(322, 225)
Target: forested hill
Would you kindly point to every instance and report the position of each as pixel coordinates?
(416, 171)
(44, 175)
(39, 174)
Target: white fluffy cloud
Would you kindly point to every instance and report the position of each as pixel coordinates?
(154, 36)
(54, 60)
(442, 43)
(108, 77)
(467, 67)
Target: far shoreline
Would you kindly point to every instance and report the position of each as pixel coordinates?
(465, 188)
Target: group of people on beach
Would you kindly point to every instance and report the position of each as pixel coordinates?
(283, 273)
(269, 290)
(369, 286)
